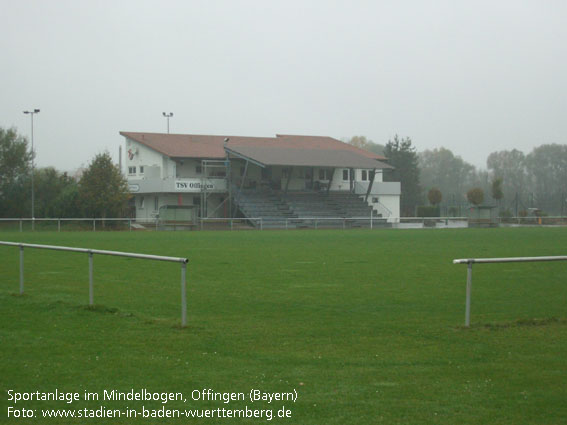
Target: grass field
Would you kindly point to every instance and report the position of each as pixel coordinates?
(366, 326)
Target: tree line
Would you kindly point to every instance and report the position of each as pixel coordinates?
(100, 192)
(514, 182)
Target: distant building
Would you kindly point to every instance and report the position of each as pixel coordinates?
(271, 177)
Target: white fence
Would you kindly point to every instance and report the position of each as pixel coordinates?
(91, 253)
(259, 223)
(471, 261)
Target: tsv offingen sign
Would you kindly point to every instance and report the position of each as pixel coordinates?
(198, 185)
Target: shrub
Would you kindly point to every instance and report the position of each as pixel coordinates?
(428, 211)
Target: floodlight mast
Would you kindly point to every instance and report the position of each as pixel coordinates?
(32, 113)
(168, 116)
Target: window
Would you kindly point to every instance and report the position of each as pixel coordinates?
(285, 173)
(141, 202)
(375, 200)
(364, 175)
(131, 170)
(242, 170)
(198, 169)
(324, 174)
(141, 169)
(345, 175)
(266, 173)
(156, 203)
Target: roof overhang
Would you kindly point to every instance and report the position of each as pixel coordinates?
(283, 156)
(244, 157)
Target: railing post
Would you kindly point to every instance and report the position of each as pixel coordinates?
(58, 224)
(231, 224)
(94, 224)
(261, 224)
(371, 214)
(468, 300)
(21, 227)
(316, 222)
(130, 225)
(286, 223)
(183, 295)
(21, 270)
(344, 223)
(91, 286)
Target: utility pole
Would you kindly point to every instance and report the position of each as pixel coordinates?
(32, 113)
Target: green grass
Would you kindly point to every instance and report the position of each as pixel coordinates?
(365, 325)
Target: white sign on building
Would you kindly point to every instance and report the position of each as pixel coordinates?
(199, 185)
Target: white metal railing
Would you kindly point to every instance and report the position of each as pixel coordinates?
(343, 220)
(91, 253)
(401, 222)
(470, 261)
(383, 209)
(92, 221)
(231, 220)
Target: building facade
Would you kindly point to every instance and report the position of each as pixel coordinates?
(184, 177)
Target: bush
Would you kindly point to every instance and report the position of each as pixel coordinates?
(475, 196)
(428, 211)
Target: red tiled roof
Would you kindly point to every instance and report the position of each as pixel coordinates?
(212, 147)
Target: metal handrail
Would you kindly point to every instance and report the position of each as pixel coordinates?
(91, 253)
(470, 261)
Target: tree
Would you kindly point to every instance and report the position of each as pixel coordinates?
(546, 166)
(103, 190)
(366, 144)
(475, 196)
(510, 166)
(15, 162)
(440, 168)
(359, 141)
(402, 155)
(56, 194)
(434, 196)
(497, 193)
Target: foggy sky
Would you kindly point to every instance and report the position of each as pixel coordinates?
(471, 76)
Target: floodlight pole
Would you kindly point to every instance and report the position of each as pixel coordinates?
(168, 116)
(32, 113)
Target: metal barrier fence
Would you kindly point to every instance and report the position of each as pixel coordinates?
(261, 223)
(471, 261)
(91, 253)
(230, 222)
(75, 223)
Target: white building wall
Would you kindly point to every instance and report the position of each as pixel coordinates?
(138, 155)
(387, 205)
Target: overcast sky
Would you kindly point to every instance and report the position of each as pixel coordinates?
(471, 76)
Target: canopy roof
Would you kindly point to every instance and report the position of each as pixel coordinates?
(270, 156)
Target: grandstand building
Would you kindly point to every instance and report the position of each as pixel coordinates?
(283, 178)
